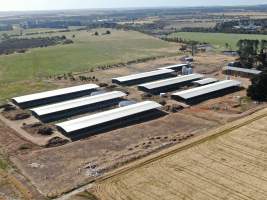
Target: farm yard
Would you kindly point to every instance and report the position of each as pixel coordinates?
(218, 40)
(119, 146)
(228, 163)
(100, 105)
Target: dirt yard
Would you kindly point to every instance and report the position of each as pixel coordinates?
(231, 165)
(71, 163)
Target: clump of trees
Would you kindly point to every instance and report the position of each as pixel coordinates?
(248, 50)
(258, 89)
(253, 53)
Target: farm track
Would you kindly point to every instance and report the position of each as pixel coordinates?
(216, 166)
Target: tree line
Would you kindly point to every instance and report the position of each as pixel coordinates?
(20, 45)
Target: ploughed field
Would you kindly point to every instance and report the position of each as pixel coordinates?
(230, 165)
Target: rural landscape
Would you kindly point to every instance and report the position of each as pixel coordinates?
(134, 103)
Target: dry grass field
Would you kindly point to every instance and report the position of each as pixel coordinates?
(228, 165)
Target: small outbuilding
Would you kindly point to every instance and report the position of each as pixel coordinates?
(205, 81)
(177, 68)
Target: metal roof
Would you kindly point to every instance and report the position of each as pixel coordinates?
(171, 81)
(206, 81)
(174, 66)
(54, 93)
(238, 69)
(195, 92)
(143, 75)
(85, 101)
(99, 118)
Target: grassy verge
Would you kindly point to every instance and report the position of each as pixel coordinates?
(4, 165)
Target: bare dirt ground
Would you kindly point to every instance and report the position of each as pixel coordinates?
(229, 163)
(71, 163)
(13, 185)
(55, 171)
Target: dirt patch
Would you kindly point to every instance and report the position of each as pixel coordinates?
(16, 115)
(12, 184)
(69, 162)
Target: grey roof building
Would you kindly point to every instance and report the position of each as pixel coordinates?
(54, 95)
(169, 84)
(112, 118)
(70, 108)
(206, 92)
(243, 72)
(144, 77)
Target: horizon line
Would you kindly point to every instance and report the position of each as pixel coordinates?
(133, 8)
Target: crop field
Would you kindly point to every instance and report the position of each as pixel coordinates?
(228, 165)
(218, 40)
(18, 71)
(191, 23)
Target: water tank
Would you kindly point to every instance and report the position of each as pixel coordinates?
(190, 70)
(184, 70)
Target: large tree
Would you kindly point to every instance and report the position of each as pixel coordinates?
(258, 89)
(248, 50)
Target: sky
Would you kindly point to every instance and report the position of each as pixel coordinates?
(18, 5)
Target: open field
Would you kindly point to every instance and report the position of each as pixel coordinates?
(218, 39)
(251, 15)
(229, 163)
(18, 71)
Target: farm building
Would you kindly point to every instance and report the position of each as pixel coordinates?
(205, 81)
(110, 119)
(53, 96)
(243, 72)
(169, 84)
(144, 77)
(177, 67)
(202, 93)
(70, 108)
